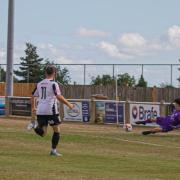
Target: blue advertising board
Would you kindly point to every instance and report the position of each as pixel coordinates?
(85, 111)
(111, 112)
(2, 105)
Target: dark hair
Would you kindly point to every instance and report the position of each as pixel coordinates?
(50, 69)
(177, 101)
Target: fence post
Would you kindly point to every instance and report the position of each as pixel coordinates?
(92, 110)
(127, 111)
(154, 94)
(162, 108)
(7, 110)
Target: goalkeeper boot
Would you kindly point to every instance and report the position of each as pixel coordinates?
(148, 132)
(141, 122)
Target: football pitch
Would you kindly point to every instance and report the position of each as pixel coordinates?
(90, 152)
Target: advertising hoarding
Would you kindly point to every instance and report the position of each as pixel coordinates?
(141, 112)
(80, 112)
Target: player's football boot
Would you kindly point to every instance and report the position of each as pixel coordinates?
(55, 153)
(32, 125)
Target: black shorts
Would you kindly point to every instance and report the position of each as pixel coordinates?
(44, 120)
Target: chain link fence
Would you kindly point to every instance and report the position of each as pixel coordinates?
(81, 74)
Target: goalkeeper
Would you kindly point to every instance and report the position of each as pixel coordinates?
(166, 124)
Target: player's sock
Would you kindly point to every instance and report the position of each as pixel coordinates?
(39, 131)
(55, 140)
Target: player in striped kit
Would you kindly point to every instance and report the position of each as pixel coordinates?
(48, 93)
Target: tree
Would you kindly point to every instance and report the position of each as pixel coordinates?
(126, 80)
(179, 77)
(62, 74)
(2, 75)
(122, 80)
(142, 82)
(179, 70)
(31, 68)
(166, 85)
(104, 80)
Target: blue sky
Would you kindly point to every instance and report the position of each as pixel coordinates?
(97, 31)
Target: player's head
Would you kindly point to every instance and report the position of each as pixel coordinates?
(177, 103)
(50, 71)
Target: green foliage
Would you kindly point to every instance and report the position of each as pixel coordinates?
(179, 77)
(104, 80)
(166, 85)
(142, 82)
(122, 79)
(31, 68)
(3, 75)
(126, 80)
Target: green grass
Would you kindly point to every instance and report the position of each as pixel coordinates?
(90, 152)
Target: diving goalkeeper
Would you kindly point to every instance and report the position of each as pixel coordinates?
(166, 124)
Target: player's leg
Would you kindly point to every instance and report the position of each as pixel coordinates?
(146, 121)
(41, 128)
(41, 131)
(153, 131)
(55, 140)
(56, 136)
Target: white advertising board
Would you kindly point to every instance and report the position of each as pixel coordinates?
(80, 112)
(141, 112)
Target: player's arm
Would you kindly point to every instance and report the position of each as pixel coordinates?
(61, 98)
(176, 121)
(64, 101)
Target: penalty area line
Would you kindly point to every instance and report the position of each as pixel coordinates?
(145, 143)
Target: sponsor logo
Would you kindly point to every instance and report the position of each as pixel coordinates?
(142, 113)
(134, 112)
(75, 111)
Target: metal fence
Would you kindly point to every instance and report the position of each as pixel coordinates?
(154, 74)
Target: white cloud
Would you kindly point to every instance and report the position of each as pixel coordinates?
(135, 44)
(127, 46)
(84, 32)
(174, 35)
(18, 52)
(60, 53)
(112, 50)
(3, 56)
(131, 45)
(132, 40)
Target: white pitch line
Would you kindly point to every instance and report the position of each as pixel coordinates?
(136, 142)
(145, 143)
